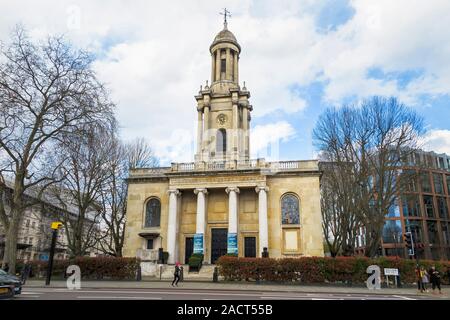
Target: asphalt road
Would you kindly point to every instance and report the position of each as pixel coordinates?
(196, 294)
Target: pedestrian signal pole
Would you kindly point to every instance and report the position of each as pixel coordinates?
(55, 226)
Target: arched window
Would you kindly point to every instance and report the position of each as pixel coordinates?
(290, 209)
(153, 213)
(221, 141)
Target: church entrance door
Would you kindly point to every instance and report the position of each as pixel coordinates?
(218, 243)
(188, 249)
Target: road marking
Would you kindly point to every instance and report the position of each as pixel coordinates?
(113, 297)
(31, 292)
(284, 298)
(170, 292)
(405, 298)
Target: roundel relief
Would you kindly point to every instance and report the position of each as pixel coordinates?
(222, 119)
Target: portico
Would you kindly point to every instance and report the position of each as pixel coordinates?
(205, 219)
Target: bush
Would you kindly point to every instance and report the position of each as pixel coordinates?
(91, 268)
(318, 269)
(165, 256)
(195, 261)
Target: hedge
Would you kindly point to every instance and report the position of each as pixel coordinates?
(318, 269)
(91, 268)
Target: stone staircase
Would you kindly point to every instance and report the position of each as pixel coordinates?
(205, 273)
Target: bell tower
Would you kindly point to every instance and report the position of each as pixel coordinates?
(223, 107)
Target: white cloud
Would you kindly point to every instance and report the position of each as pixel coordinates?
(154, 55)
(437, 141)
(265, 139)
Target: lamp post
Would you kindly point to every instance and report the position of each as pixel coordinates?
(55, 226)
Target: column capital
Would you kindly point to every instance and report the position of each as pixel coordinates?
(175, 191)
(202, 190)
(263, 188)
(229, 189)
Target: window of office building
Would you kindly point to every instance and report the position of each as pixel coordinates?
(438, 183)
(394, 252)
(411, 205)
(425, 182)
(428, 204)
(394, 211)
(445, 233)
(442, 207)
(432, 232)
(415, 227)
(410, 179)
(392, 231)
(448, 183)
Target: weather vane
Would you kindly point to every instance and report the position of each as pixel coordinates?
(225, 14)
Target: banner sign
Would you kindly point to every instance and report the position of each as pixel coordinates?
(390, 272)
(198, 243)
(232, 246)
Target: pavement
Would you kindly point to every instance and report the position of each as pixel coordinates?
(156, 290)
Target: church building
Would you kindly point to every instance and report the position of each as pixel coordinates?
(224, 202)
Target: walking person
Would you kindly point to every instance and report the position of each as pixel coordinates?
(176, 274)
(435, 278)
(419, 279)
(425, 279)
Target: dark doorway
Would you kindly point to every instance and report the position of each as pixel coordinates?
(188, 249)
(218, 243)
(250, 247)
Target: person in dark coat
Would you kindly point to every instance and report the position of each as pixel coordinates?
(176, 274)
(435, 279)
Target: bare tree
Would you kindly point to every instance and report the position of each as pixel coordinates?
(339, 221)
(371, 139)
(140, 155)
(46, 89)
(84, 173)
(123, 157)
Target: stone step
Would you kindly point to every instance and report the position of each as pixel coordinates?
(206, 272)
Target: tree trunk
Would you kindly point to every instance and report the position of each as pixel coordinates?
(11, 245)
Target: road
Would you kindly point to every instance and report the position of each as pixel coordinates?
(197, 294)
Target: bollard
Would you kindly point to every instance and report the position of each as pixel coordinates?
(215, 275)
(139, 274)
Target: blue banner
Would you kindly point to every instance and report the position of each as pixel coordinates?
(198, 243)
(232, 243)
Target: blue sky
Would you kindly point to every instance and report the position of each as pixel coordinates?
(298, 58)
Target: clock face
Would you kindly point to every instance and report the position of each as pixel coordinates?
(221, 119)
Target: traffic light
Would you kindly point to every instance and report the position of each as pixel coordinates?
(409, 242)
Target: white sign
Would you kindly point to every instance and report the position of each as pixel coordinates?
(390, 272)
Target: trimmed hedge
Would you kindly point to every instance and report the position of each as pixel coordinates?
(95, 268)
(195, 261)
(319, 270)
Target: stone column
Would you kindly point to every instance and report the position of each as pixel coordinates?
(206, 131)
(235, 67)
(199, 132)
(199, 238)
(218, 54)
(228, 66)
(262, 219)
(234, 144)
(172, 226)
(232, 219)
(245, 132)
(213, 69)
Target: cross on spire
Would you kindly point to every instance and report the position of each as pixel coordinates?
(225, 14)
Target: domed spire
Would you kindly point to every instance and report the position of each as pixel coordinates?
(225, 36)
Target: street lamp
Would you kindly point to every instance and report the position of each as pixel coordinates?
(55, 226)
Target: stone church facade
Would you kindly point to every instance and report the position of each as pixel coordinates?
(224, 202)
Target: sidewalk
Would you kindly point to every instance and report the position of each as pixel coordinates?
(238, 286)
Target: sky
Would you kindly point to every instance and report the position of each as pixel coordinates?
(298, 58)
